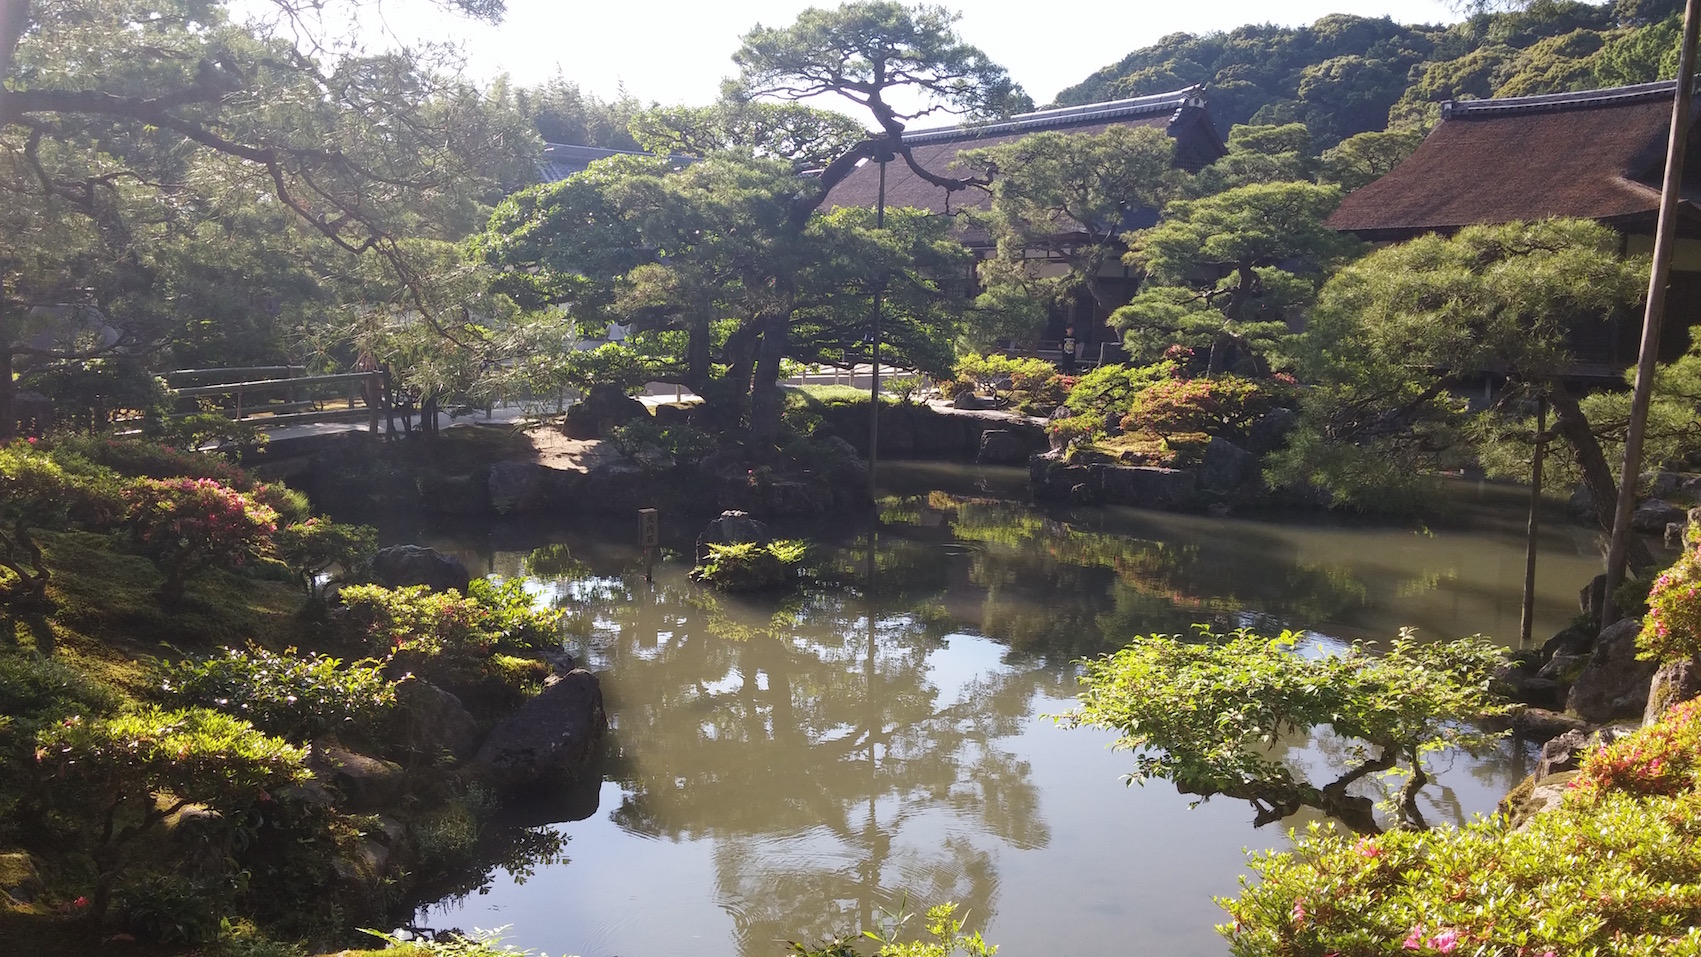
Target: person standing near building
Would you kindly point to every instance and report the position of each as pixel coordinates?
(1066, 351)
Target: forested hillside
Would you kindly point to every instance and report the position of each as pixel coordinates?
(1346, 74)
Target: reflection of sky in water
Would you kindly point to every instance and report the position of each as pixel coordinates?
(750, 804)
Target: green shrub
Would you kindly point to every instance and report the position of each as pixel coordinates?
(170, 908)
(747, 566)
(417, 621)
(118, 778)
(311, 547)
(290, 695)
(1110, 389)
(37, 492)
(1032, 385)
(187, 525)
(92, 395)
(512, 617)
(683, 442)
(1615, 869)
(1201, 714)
(37, 690)
(943, 927)
(136, 458)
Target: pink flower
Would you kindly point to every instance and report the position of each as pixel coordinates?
(80, 902)
(1367, 848)
(1445, 941)
(1299, 912)
(1414, 940)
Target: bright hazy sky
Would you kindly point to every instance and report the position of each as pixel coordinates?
(677, 51)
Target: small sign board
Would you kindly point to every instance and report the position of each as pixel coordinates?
(650, 522)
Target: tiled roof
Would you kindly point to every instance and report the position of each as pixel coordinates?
(1181, 112)
(561, 160)
(1597, 154)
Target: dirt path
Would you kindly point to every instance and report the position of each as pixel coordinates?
(557, 451)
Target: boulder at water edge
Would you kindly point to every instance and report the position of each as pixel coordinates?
(1614, 682)
(550, 740)
(1655, 514)
(1675, 682)
(432, 722)
(401, 565)
(1002, 447)
(732, 528)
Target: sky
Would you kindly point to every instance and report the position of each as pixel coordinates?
(677, 51)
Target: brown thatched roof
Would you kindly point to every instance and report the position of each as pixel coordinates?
(1598, 154)
(1181, 112)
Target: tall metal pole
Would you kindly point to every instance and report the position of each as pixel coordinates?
(1527, 620)
(874, 385)
(1665, 240)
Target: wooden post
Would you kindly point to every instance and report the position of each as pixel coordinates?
(1527, 620)
(1665, 242)
(874, 369)
(649, 525)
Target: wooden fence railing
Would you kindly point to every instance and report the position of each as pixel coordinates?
(279, 395)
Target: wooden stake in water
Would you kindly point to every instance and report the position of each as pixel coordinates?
(649, 521)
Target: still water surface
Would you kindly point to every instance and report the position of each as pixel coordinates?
(790, 767)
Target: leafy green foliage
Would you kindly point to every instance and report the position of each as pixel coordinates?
(312, 547)
(417, 622)
(290, 695)
(1031, 385)
(1616, 868)
(37, 492)
(1258, 235)
(806, 137)
(1110, 389)
(748, 566)
(120, 777)
(681, 442)
(92, 394)
(1203, 714)
(512, 615)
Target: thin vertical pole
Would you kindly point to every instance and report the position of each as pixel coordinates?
(1665, 240)
(874, 383)
(1527, 621)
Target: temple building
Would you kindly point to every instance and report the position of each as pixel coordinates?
(1181, 113)
(1596, 154)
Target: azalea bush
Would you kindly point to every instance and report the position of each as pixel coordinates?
(1224, 405)
(1032, 385)
(1671, 631)
(511, 615)
(748, 566)
(1615, 869)
(121, 777)
(187, 525)
(1203, 713)
(291, 695)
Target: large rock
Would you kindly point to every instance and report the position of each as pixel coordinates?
(1002, 447)
(1581, 504)
(970, 400)
(401, 565)
(1660, 484)
(1271, 430)
(550, 739)
(1590, 596)
(432, 723)
(366, 783)
(1566, 752)
(1674, 682)
(1523, 684)
(732, 528)
(603, 408)
(1143, 485)
(1655, 514)
(1577, 639)
(18, 878)
(1540, 724)
(1227, 466)
(620, 487)
(1614, 682)
(528, 487)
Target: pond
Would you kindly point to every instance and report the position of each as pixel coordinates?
(785, 768)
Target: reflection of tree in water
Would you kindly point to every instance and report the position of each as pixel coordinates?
(805, 737)
(1060, 592)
